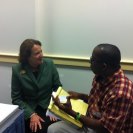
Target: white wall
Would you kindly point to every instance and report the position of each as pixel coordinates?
(5, 83)
(65, 27)
(17, 22)
(75, 79)
(74, 27)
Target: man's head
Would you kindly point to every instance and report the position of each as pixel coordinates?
(105, 59)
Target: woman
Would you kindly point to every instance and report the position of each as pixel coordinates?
(33, 81)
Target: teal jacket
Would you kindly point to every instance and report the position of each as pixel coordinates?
(28, 92)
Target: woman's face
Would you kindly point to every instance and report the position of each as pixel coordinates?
(36, 56)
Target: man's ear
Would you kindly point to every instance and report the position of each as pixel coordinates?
(105, 66)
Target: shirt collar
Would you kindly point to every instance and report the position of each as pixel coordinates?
(109, 79)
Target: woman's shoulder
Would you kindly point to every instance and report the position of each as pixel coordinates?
(47, 61)
(16, 66)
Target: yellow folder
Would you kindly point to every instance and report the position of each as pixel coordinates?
(77, 105)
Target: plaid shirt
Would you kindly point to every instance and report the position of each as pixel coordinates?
(111, 102)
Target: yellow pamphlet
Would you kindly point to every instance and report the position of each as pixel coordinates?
(77, 105)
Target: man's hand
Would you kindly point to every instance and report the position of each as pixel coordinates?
(73, 95)
(66, 107)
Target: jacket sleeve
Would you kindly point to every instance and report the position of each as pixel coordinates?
(55, 77)
(17, 94)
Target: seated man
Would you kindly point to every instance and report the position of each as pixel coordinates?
(110, 100)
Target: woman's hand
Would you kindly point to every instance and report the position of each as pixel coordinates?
(35, 122)
(53, 118)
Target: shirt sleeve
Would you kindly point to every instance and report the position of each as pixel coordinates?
(116, 112)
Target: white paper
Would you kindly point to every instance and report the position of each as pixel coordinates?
(62, 99)
(6, 110)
